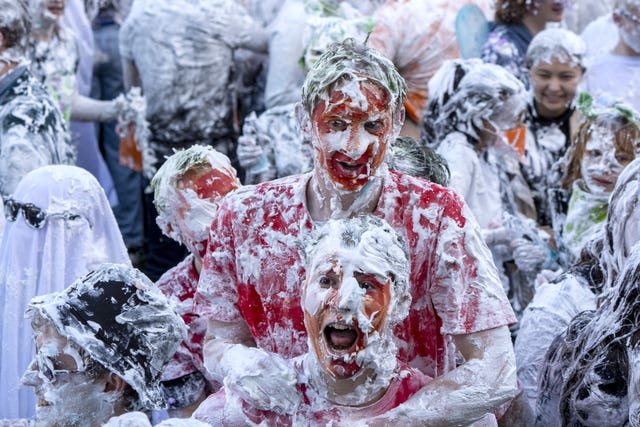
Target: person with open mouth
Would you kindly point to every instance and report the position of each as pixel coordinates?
(355, 292)
(249, 288)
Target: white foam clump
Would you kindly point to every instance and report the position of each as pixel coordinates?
(557, 43)
(132, 112)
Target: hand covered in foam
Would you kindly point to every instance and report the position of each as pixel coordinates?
(262, 379)
(529, 256)
(249, 151)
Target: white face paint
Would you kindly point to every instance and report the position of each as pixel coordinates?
(601, 163)
(66, 396)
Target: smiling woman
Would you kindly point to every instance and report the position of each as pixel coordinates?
(555, 61)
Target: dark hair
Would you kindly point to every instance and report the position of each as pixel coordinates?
(510, 11)
(16, 25)
(409, 157)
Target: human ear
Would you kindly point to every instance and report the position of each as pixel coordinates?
(398, 117)
(114, 383)
(304, 121)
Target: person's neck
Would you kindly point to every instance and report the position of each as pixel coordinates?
(533, 23)
(357, 391)
(44, 32)
(623, 49)
(324, 201)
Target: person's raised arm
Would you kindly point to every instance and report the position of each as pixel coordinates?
(474, 389)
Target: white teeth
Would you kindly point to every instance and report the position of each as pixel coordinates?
(340, 326)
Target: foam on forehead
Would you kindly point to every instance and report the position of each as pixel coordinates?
(556, 43)
(348, 60)
(370, 235)
(164, 181)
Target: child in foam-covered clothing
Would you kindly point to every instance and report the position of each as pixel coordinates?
(355, 292)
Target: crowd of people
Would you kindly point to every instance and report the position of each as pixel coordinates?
(319, 212)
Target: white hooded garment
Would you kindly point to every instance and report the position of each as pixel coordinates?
(40, 261)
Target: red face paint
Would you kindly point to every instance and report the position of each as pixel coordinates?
(335, 332)
(352, 134)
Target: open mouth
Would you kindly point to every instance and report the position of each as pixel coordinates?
(348, 168)
(340, 337)
(42, 402)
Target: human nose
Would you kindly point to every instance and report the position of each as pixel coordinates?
(345, 295)
(554, 84)
(31, 377)
(356, 144)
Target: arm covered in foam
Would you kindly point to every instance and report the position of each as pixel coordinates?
(262, 379)
(474, 389)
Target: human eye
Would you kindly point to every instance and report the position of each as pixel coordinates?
(594, 153)
(567, 77)
(366, 285)
(337, 125)
(368, 282)
(374, 127)
(325, 282)
(623, 158)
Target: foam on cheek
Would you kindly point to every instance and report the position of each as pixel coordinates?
(315, 296)
(606, 165)
(75, 401)
(199, 216)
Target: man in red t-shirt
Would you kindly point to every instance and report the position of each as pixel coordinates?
(249, 288)
(355, 292)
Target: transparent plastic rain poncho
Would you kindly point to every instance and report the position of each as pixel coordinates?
(39, 261)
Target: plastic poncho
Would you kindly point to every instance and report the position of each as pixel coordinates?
(45, 260)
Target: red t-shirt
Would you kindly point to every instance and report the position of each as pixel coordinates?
(314, 411)
(179, 286)
(254, 268)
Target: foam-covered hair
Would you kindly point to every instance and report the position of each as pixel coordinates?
(121, 320)
(165, 180)
(349, 60)
(15, 26)
(463, 93)
(556, 43)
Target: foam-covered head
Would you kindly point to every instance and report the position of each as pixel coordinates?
(556, 43)
(120, 319)
(188, 189)
(46, 13)
(15, 26)
(466, 95)
(348, 60)
(608, 139)
(355, 291)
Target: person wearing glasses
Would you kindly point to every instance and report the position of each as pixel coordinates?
(59, 226)
(616, 76)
